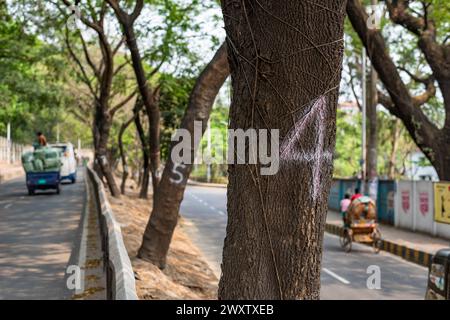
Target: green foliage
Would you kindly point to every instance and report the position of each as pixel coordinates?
(30, 86)
(174, 98)
(348, 145)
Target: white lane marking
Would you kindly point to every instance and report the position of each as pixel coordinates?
(209, 206)
(8, 205)
(334, 275)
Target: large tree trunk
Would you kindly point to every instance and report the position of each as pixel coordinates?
(169, 194)
(285, 60)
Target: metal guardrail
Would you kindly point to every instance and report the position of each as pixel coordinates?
(119, 272)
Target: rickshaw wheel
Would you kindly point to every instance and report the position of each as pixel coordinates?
(346, 241)
(376, 244)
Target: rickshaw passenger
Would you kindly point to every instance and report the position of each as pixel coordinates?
(356, 195)
(345, 203)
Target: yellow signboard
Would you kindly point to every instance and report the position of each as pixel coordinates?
(442, 202)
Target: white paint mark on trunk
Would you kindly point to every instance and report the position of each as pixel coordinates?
(291, 151)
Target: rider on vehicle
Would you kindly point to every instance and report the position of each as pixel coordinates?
(356, 195)
(41, 139)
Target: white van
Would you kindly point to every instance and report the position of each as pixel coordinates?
(69, 163)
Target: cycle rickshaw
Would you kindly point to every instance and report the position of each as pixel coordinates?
(360, 225)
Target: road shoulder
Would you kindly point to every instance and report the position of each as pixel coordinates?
(187, 275)
(10, 171)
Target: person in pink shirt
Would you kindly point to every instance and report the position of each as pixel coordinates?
(345, 203)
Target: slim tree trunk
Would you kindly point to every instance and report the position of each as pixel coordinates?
(285, 59)
(145, 172)
(393, 157)
(99, 83)
(102, 126)
(151, 107)
(169, 194)
(127, 22)
(123, 156)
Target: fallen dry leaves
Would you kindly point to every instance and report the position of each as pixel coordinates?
(187, 275)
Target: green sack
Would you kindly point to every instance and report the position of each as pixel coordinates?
(28, 166)
(44, 159)
(52, 154)
(52, 163)
(39, 154)
(27, 157)
(38, 165)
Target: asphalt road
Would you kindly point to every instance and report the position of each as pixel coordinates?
(37, 236)
(344, 275)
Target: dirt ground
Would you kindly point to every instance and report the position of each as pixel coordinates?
(187, 275)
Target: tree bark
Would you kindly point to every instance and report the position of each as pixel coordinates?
(169, 194)
(286, 60)
(433, 142)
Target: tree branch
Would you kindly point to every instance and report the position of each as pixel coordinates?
(88, 58)
(429, 93)
(123, 102)
(423, 131)
(84, 76)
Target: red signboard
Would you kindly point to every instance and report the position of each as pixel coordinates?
(424, 203)
(405, 201)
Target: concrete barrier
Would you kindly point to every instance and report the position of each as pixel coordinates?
(119, 271)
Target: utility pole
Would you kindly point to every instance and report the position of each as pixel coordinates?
(79, 151)
(372, 140)
(364, 104)
(57, 133)
(208, 152)
(8, 143)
